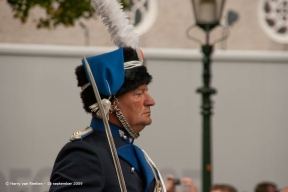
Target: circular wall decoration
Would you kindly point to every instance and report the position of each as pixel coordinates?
(273, 15)
(142, 14)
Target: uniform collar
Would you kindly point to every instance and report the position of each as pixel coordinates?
(118, 132)
(130, 153)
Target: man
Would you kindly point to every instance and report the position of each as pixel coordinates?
(186, 182)
(223, 188)
(189, 186)
(86, 164)
(268, 186)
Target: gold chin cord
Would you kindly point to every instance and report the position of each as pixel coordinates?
(107, 130)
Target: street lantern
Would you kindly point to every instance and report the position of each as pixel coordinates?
(207, 16)
(208, 12)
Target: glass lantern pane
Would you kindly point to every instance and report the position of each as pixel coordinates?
(208, 11)
(220, 5)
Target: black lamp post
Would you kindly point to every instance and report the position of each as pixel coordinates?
(207, 15)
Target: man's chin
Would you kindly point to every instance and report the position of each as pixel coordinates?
(149, 122)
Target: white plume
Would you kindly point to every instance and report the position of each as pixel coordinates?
(112, 15)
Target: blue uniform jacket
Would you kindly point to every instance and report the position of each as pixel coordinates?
(86, 164)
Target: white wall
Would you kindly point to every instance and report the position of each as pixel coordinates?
(40, 108)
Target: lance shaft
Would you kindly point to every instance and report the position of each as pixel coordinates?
(107, 129)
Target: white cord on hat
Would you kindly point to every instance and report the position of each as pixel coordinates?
(132, 64)
(85, 86)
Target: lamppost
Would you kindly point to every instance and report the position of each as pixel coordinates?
(207, 15)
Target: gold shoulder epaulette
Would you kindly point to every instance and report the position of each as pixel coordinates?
(79, 135)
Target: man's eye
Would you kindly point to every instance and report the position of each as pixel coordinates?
(138, 94)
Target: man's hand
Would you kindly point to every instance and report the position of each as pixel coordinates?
(170, 185)
(189, 185)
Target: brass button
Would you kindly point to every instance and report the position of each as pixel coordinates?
(132, 170)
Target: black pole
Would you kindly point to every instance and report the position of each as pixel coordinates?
(206, 92)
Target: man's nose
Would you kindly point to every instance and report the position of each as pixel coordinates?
(149, 100)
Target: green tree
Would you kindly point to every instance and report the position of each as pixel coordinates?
(58, 12)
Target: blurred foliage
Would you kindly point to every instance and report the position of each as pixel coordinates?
(58, 12)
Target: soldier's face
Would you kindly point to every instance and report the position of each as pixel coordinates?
(135, 106)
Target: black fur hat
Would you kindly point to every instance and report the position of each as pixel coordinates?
(133, 78)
